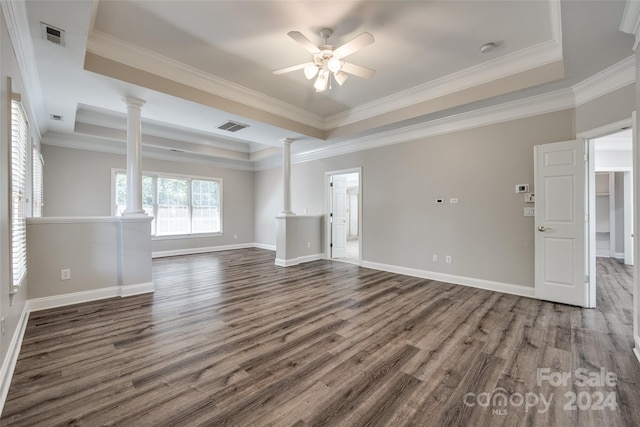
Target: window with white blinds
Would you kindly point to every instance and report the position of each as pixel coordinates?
(37, 197)
(19, 138)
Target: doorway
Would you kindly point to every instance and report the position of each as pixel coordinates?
(613, 179)
(344, 215)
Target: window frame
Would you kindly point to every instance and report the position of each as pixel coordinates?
(37, 183)
(189, 178)
(16, 100)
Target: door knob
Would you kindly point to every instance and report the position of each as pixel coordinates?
(543, 228)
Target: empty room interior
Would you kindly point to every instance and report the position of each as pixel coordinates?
(252, 213)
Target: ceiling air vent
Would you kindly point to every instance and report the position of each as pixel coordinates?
(232, 126)
(52, 34)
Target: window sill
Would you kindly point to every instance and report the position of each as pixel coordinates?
(186, 236)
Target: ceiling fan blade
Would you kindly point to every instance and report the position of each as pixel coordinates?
(292, 68)
(303, 41)
(357, 70)
(363, 40)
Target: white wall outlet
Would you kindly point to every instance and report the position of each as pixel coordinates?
(448, 259)
(453, 200)
(435, 258)
(529, 198)
(2, 329)
(308, 245)
(529, 211)
(522, 188)
(65, 274)
(439, 201)
(235, 236)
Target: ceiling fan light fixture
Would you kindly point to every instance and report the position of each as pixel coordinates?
(340, 77)
(322, 82)
(334, 65)
(310, 71)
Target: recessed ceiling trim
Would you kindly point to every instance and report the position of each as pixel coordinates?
(540, 104)
(630, 22)
(118, 50)
(608, 80)
(504, 66)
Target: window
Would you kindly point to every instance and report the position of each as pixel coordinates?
(180, 205)
(19, 137)
(37, 182)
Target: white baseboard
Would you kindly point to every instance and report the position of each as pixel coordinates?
(45, 303)
(299, 260)
(13, 351)
(618, 255)
(507, 288)
(264, 246)
(603, 254)
(137, 289)
(202, 250)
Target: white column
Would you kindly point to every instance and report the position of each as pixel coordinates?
(134, 157)
(286, 175)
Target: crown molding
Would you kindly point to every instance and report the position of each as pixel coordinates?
(157, 129)
(630, 22)
(531, 106)
(15, 13)
(608, 80)
(118, 50)
(113, 146)
(555, 16)
(507, 65)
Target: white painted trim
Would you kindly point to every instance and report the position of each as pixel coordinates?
(17, 19)
(489, 285)
(265, 246)
(606, 81)
(137, 289)
(201, 250)
(118, 50)
(504, 66)
(11, 357)
(86, 219)
(630, 22)
(299, 260)
(114, 146)
(618, 255)
(46, 303)
(535, 105)
(606, 129)
(603, 253)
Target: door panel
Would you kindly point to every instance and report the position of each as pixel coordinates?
(560, 242)
(339, 217)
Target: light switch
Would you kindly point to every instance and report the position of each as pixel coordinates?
(453, 200)
(529, 211)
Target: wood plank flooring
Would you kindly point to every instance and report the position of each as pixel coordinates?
(228, 338)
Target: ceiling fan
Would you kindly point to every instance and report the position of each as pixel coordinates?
(328, 61)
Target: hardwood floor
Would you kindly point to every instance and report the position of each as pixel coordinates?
(230, 339)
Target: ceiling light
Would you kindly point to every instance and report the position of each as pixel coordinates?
(322, 81)
(334, 65)
(340, 77)
(310, 71)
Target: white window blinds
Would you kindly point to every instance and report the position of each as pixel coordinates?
(19, 138)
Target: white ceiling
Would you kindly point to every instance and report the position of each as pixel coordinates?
(200, 63)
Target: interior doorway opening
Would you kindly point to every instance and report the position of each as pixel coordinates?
(613, 206)
(344, 215)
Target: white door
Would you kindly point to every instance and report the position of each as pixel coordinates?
(628, 218)
(339, 217)
(561, 228)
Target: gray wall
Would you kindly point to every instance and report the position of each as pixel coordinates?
(66, 195)
(607, 109)
(486, 234)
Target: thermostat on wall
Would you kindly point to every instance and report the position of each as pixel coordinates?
(522, 188)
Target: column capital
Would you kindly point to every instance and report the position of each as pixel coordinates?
(134, 102)
(288, 141)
